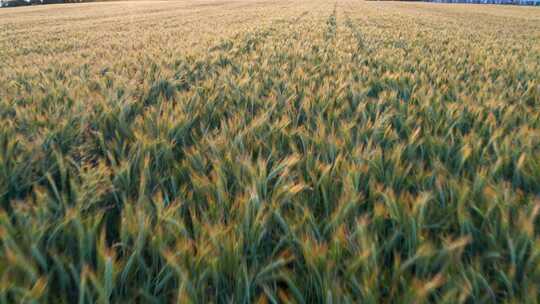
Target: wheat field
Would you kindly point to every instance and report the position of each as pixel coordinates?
(269, 152)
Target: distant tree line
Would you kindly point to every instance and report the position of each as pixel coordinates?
(515, 2)
(509, 2)
(13, 3)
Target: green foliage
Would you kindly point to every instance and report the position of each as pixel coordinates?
(338, 155)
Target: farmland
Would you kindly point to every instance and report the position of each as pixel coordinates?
(269, 152)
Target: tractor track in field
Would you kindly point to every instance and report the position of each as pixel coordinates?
(354, 29)
(229, 50)
(331, 25)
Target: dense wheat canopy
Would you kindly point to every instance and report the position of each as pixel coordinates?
(269, 151)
